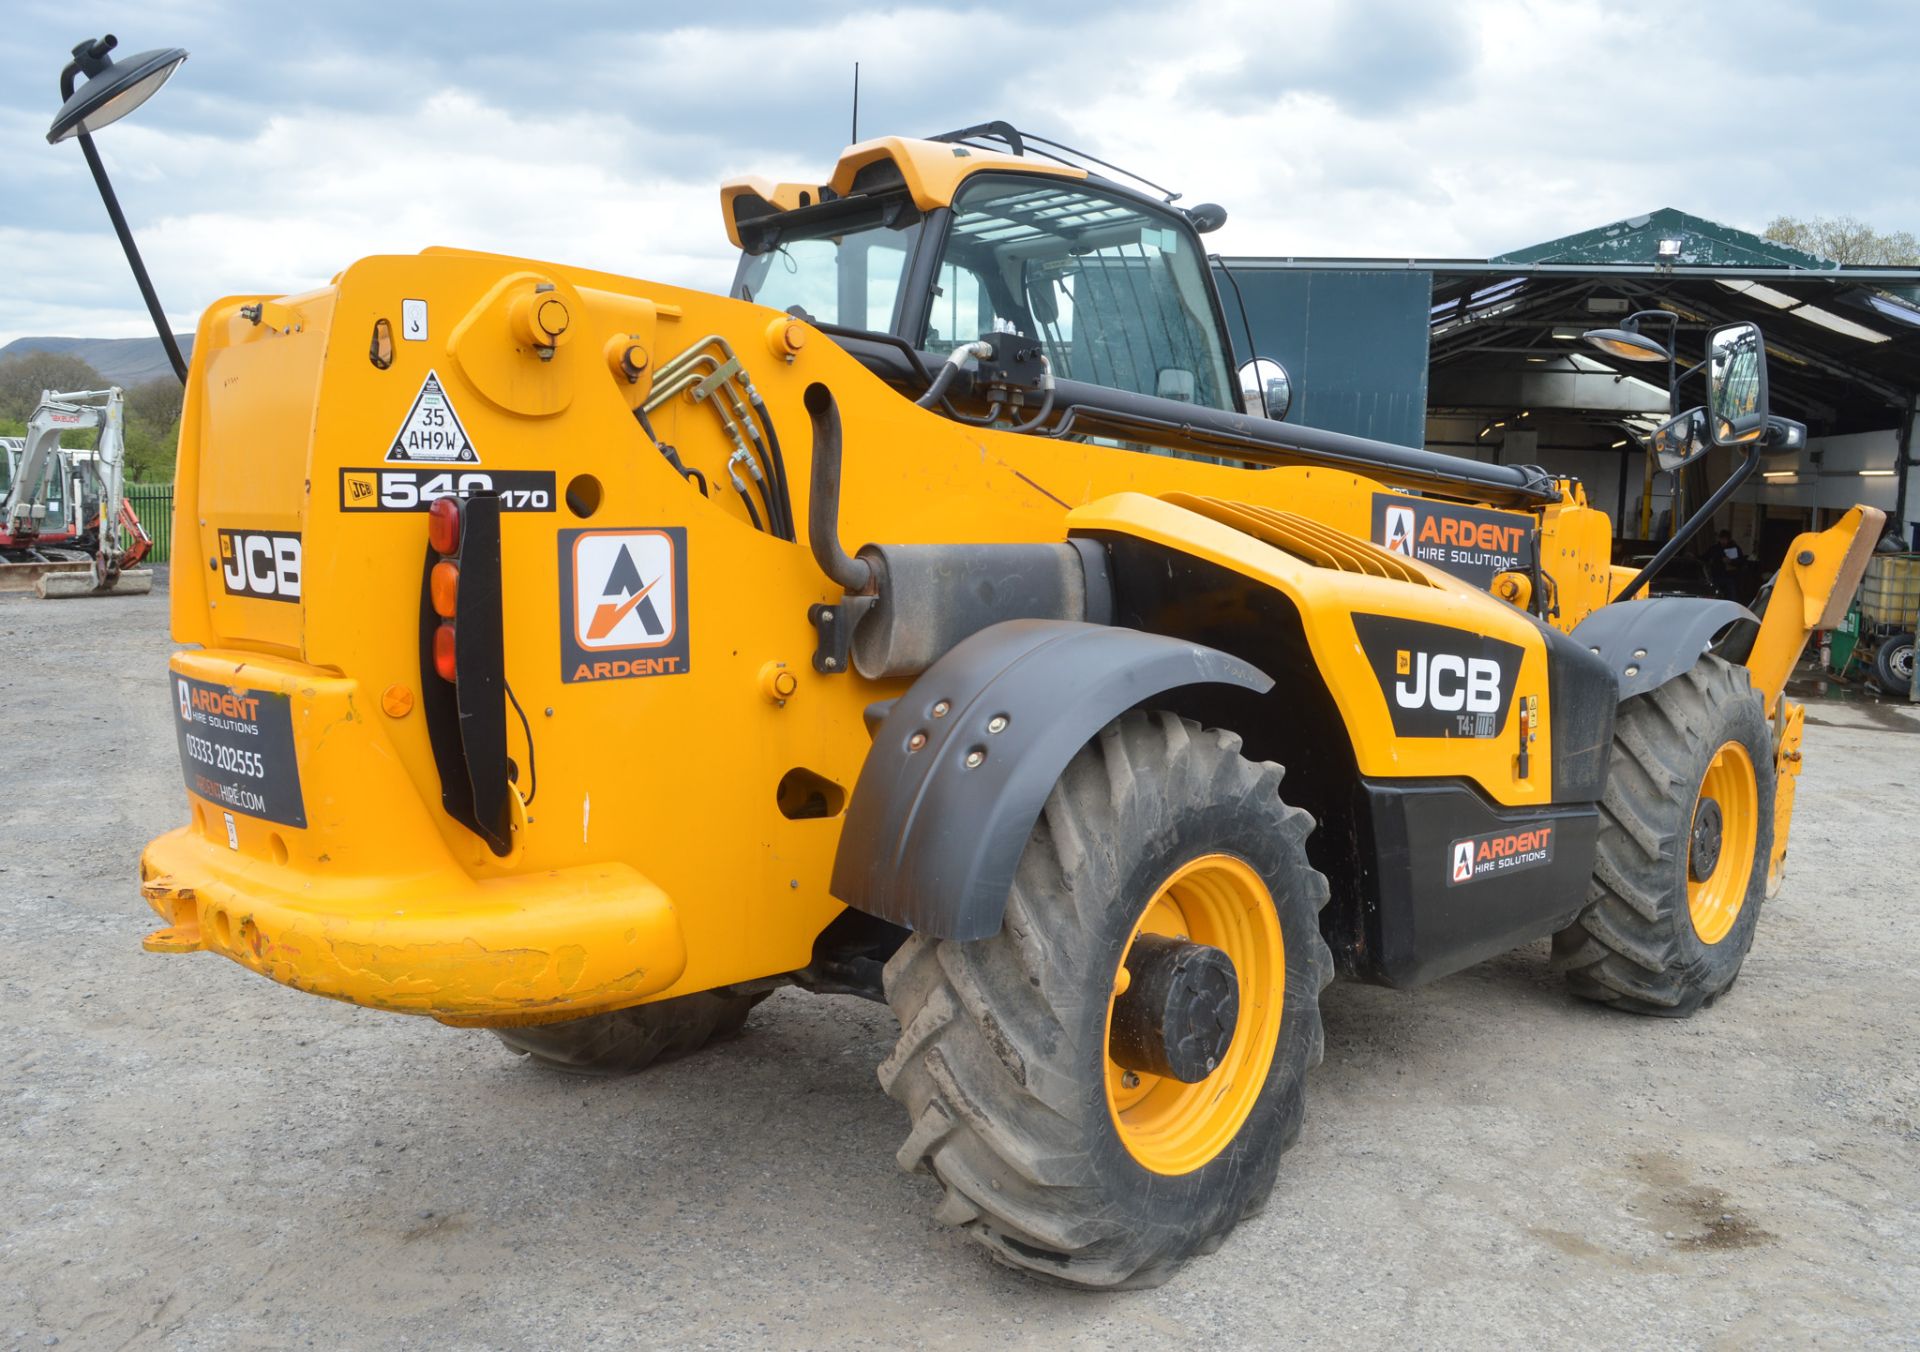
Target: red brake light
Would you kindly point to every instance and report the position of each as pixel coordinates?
(443, 525)
(445, 586)
(443, 651)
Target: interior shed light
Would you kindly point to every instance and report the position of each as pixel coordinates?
(1876, 474)
(1781, 474)
(1669, 248)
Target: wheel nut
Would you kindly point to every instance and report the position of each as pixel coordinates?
(941, 708)
(998, 723)
(1129, 1080)
(915, 742)
(975, 759)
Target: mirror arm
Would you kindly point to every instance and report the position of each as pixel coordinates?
(127, 245)
(1691, 526)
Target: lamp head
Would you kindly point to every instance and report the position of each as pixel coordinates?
(1627, 344)
(113, 88)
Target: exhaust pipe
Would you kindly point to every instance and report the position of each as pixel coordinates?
(823, 499)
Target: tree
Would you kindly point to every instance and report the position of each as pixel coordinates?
(156, 403)
(153, 429)
(1845, 239)
(24, 375)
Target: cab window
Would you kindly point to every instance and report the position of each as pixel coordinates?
(1115, 290)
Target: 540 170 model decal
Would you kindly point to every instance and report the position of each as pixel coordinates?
(413, 490)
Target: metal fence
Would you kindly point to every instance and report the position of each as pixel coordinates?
(153, 504)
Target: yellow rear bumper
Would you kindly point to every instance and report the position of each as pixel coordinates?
(366, 903)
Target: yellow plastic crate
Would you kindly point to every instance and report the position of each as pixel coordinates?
(1890, 593)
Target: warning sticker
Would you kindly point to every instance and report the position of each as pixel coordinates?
(623, 603)
(432, 430)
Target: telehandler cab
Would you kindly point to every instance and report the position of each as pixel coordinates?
(530, 706)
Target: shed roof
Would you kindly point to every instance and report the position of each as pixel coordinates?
(1844, 341)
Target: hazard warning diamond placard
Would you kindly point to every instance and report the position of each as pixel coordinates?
(432, 432)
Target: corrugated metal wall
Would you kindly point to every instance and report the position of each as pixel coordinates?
(1354, 342)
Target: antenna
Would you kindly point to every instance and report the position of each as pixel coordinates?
(856, 105)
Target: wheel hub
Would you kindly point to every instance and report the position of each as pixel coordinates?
(1707, 835)
(1177, 1016)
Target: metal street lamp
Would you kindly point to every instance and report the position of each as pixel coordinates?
(114, 89)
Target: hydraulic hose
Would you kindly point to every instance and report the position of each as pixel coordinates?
(979, 348)
(778, 462)
(823, 504)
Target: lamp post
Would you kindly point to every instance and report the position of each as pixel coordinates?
(114, 89)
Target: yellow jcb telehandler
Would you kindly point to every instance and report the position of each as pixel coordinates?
(514, 694)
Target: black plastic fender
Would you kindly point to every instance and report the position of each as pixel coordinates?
(1648, 643)
(946, 800)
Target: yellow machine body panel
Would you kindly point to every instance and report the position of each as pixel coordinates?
(663, 775)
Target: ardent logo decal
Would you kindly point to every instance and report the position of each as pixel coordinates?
(1397, 536)
(623, 603)
(1499, 853)
(1439, 681)
(1472, 543)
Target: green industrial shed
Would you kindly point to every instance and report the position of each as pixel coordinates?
(1484, 357)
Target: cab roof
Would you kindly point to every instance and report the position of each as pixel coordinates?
(930, 171)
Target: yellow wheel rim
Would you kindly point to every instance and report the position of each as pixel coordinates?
(1175, 1128)
(1714, 901)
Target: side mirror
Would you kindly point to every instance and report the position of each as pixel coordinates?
(1266, 390)
(1680, 440)
(1736, 385)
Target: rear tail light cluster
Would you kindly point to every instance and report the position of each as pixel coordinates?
(443, 584)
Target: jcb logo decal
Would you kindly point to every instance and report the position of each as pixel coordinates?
(623, 603)
(1447, 682)
(1439, 681)
(263, 564)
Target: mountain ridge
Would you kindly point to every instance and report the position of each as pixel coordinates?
(123, 361)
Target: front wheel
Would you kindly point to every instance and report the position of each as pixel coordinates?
(1105, 1087)
(1686, 836)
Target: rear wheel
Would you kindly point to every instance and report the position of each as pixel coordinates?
(1893, 666)
(1686, 833)
(628, 1040)
(1105, 1087)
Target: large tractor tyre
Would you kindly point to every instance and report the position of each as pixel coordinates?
(629, 1040)
(1893, 666)
(1161, 855)
(1686, 833)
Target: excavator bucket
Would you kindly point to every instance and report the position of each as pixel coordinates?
(80, 582)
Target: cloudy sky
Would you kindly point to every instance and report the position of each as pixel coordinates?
(300, 137)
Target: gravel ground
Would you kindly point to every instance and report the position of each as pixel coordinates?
(193, 1157)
